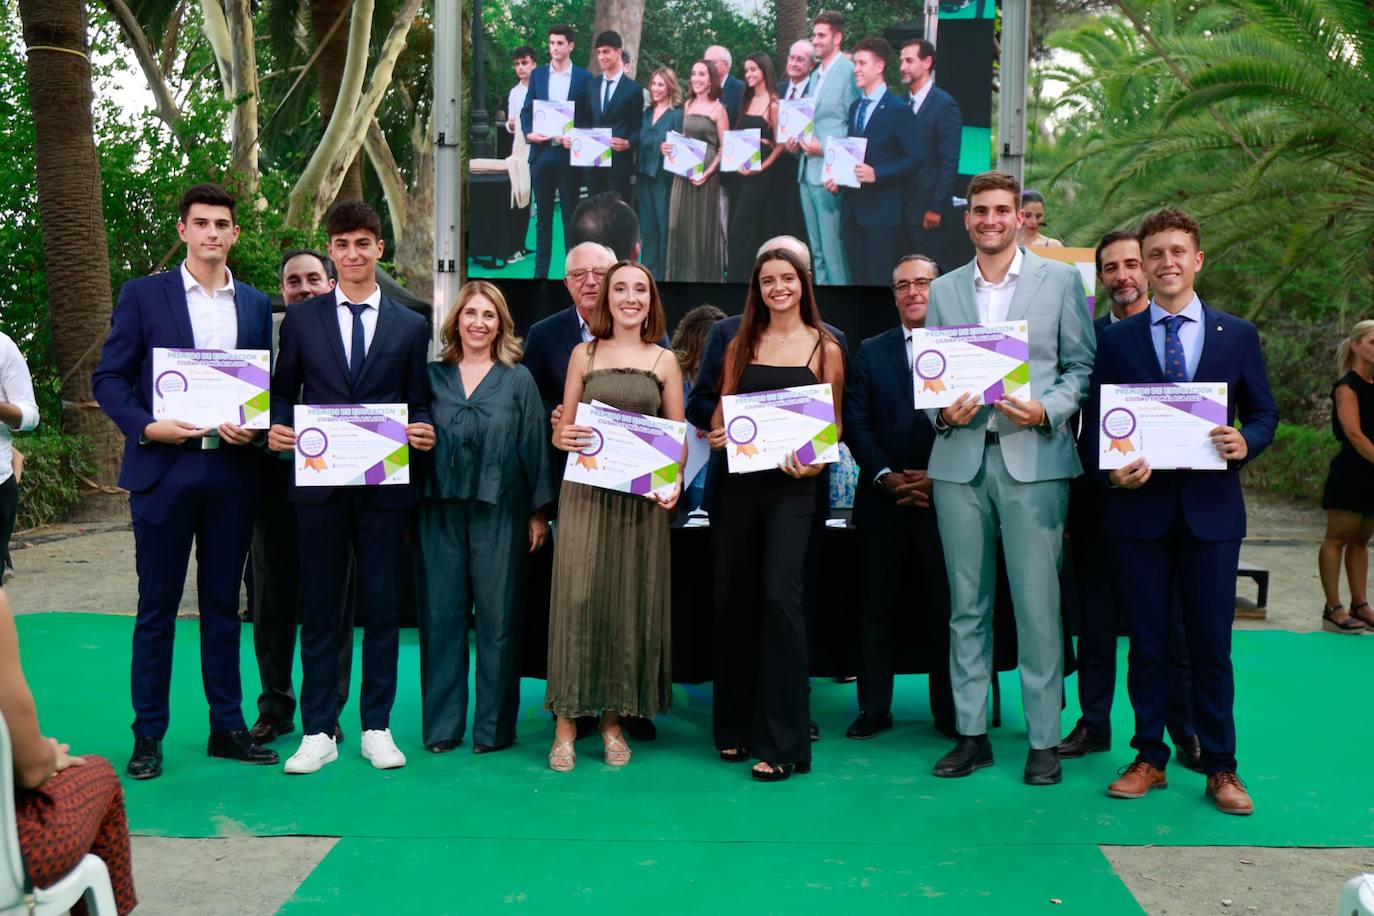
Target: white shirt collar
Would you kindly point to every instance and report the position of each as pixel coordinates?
(1013, 271)
(554, 71)
(374, 298)
(875, 95)
(189, 282)
(919, 98)
(800, 87)
(1192, 311)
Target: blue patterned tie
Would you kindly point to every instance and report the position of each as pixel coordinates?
(1175, 366)
(859, 115)
(358, 351)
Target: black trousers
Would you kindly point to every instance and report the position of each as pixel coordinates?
(616, 178)
(905, 576)
(9, 511)
(548, 178)
(275, 586)
(871, 253)
(762, 526)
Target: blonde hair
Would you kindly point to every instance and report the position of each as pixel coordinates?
(1345, 357)
(674, 87)
(506, 349)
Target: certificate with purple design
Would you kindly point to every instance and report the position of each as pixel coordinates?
(763, 427)
(210, 387)
(1169, 424)
(630, 452)
(351, 445)
(989, 360)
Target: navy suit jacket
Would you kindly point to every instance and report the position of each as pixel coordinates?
(548, 347)
(311, 369)
(705, 394)
(732, 96)
(623, 116)
(1209, 502)
(152, 312)
(552, 153)
(939, 129)
(891, 150)
(883, 428)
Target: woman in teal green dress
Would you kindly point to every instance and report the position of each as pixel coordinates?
(482, 515)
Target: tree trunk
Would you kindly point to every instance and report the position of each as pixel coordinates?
(329, 72)
(69, 208)
(411, 204)
(791, 25)
(625, 17)
(244, 130)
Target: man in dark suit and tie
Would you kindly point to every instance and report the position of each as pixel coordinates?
(891, 440)
(929, 187)
(551, 173)
(351, 346)
(731, 89)
(1180, 525)
(614, 100)
(871, 214)
(186, 483)
(1120, 273)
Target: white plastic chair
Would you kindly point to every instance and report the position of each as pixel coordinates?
(90, 879)
(1357, 897)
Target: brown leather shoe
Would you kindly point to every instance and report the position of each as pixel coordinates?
(1228, 792)
(1137, 780)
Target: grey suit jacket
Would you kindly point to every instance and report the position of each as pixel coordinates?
(1049, 295)
(833, 99)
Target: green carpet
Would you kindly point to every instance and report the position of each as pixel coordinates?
(870, 816)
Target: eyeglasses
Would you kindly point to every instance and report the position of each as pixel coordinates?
(578, 276)
(902, 287)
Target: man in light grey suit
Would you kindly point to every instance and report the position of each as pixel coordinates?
(1005, 469)
(832, 86)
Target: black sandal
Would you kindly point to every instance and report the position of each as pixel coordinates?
(1351, 626)
(1367, 618)
(777, 772)
(735, 754)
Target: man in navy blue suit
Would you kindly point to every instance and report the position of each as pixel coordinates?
(1183, 526)
(551, 173)
(1122, 276)
(905, 564)
(186, 483)
(613, 100)
(351, 346)
(929, 188)
(871, 214)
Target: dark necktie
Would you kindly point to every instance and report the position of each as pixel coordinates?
(1175, 367)
(792, 93)
(859, 115)
(358, 351)
(605, 94)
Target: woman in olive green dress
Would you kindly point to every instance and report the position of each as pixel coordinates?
(483, 513)
(696, 240)
(609, 623)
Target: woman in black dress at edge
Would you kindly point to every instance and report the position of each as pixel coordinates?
(1348, 496)
(752, 219)
(762, 526)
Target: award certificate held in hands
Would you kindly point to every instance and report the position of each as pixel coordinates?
(743, 151)
(796, 119)
(591, 147)
(989, 360)
(210, 387)
(763, 427)
(630, 452)
(351, 445)
(686, 157)
(553, 119)
(1169, 424)
(842, 154)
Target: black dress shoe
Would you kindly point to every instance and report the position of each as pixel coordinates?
(869, 724)
(1189, 753)
(780, 771)
(1081, 742)
(146, 761)
(238, 745)
(491, 748)
(639, 728)
(815, 731)
(972, 752)
(442, 747)
(1042, 767)
(269, 728)
(338, 735)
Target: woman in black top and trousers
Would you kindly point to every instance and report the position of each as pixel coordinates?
(1348, 496)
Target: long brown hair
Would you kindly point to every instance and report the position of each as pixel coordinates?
(769, 84)
(712, 79)
(651, 329)
(745, 347)
(506, 348)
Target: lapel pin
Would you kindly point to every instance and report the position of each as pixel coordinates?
(1218, 327)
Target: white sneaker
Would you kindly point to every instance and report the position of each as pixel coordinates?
(315, 751)
(381, 750)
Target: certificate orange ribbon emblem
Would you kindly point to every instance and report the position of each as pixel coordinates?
(586, 461)
(930, 367)
(1118, 425)
(741, 432)
(314, 464)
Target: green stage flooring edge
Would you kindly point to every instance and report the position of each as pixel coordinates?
(676, 791)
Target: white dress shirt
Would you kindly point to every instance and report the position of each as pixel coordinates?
(16, 387)
(214, 317)
(1189, 333)
(584, 329)
(374, 300)
(906, 336)
(995, 298)
(515, 103)
(919, 98)
(606, 88)
(560, 83)
(874, 97)
(795, 90)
